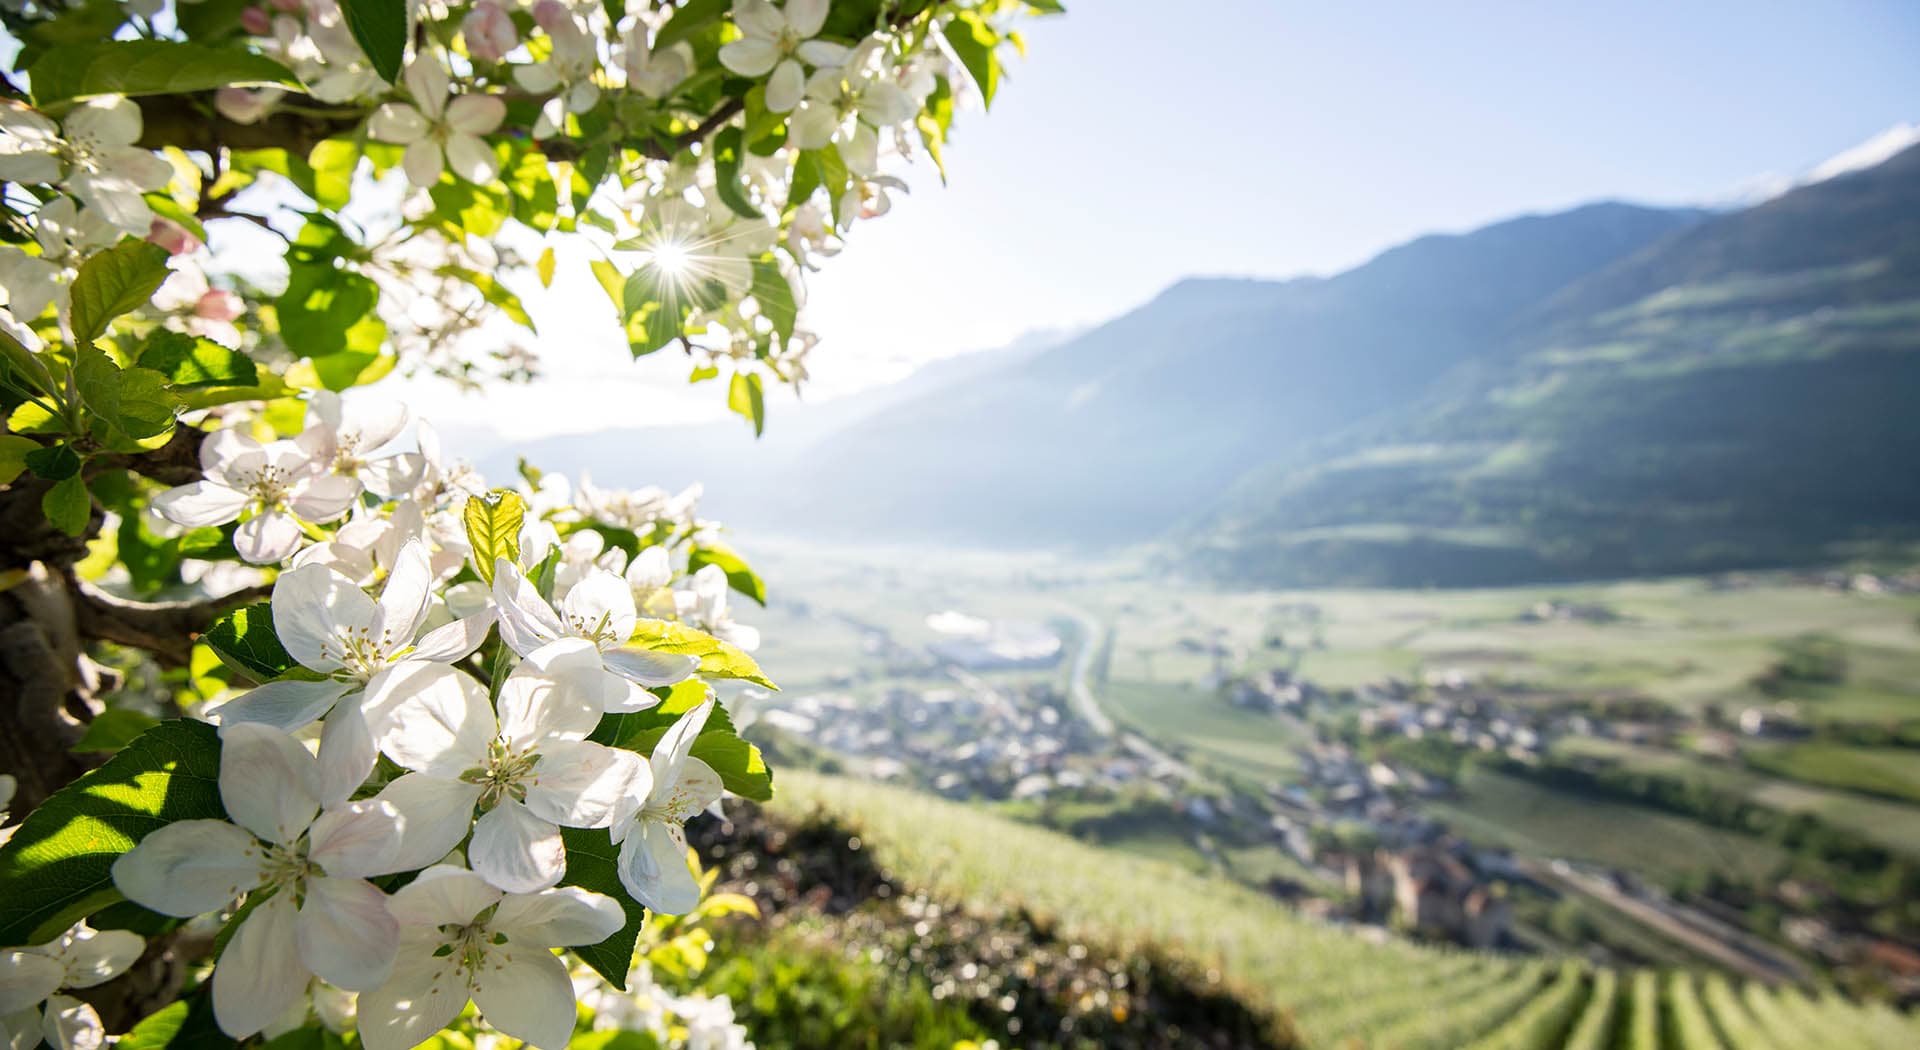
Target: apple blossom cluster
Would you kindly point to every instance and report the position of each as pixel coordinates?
(703, 158)
(394, 801)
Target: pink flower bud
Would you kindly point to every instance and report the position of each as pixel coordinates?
(552, 14)
(175, 238)
(244, 105)
(489, 32)
(219, 305)
(256, 21)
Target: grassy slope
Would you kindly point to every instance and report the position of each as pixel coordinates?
(1338, 984)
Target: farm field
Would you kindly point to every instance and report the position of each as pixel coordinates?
(1332, 986)
(1527, 817)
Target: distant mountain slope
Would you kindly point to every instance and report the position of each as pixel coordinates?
(1124, 431)
(1740, 393)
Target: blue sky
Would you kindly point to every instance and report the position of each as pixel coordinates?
(1135, 147)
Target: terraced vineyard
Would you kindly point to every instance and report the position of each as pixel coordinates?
(1328, 985)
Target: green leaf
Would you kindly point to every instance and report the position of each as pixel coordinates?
(693, 16)
(334, 161)
(775, 296)
(718, 659)
(187, 361)
(14, 451)
(745, 397)
(727, 155)
(545, 266)
(611, 282)
(149, 67)
(321, 309)
(133, 401)
(244, 640)
(25, 367)
(58, 866)
(187, 1024)
(53, 462)
(493, 529)
(114, 729)
(593, 863)
(380, 28)
(67, 505)
(740, 765)
(973, 42)
(113, 282)
(740, 576)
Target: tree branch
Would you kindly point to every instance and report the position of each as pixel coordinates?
(165, 629)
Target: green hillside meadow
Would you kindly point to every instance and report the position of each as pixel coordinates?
(1333, 987)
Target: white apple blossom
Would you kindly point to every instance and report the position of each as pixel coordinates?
(440, 130)
(530, 768)
(466, 940)
(849, 106)
(353, 441)
(600, 609)
(650, 829)
(275, 482)
(65, 235)
(328, 624)
(566, 74)
(489, 31)
(31, 979)
(199, 308)
(777, 40)
(654, 73)
(91, 155)
(311, 911)
(705, 606)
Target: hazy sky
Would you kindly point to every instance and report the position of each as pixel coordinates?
(1147, 141)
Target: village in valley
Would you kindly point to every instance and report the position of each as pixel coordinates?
(1361, 802)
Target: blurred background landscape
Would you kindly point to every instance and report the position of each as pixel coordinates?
(1489, 616)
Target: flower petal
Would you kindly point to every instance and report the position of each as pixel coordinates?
(806, 16)
(391, 477)
(202, 504)
(403, 602)
(453, 642)
(325, 498)
(653, 867)
(524, 992)
(259, 976)
(268, 538)
(439, 813)
(423, 162)
(785, 87)
(423, 996)
(345, 934)
(73, 1025)
(476, 114)
(823, 54)
(559, 918)
(113, 121)
(471, 158)
(347, 751)
(430, 717)
(189, 867)
(442, 896)
(268, 782)
(670, 753)
(750, 56)
(579, 784)
(26, 979)
(535, 708)
(358, 839)
(311, 606)
(286, 705)
(397, 122)
(93, 957)
(527, 622)
(515, 850)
